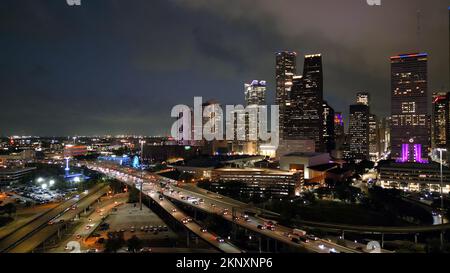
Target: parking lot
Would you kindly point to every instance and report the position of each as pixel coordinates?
(145, 224)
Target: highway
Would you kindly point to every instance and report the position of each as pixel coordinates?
(30, 232)
(48, 231)
(215, 204)
(377, 230)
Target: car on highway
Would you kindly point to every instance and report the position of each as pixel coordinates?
(304, 239)
(174, 210)
(203, 230)
(220, 240)
(333, 250)
(261, 227)
(146, 250)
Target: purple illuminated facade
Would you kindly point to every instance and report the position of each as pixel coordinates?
(410, 124)
(412, 153)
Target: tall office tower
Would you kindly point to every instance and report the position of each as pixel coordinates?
(255, 93)
(363, 98)
(410, 120)
(339, 130)
(293, 122)
(441, 120)
(359, 132)
(448, 144)
(286, 68)
(311, 101)
(255, 96)
(328, 127)
(374, 138)
(386, 123)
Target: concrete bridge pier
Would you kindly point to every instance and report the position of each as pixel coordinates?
(259, 243)
(234, 231)
(187, 238)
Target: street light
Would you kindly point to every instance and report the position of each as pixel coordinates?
(442, 195)
(442, 183)
(142, 142)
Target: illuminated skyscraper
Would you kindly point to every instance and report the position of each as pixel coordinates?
(410, 138)
(255, 96)
(328, 128)
(311, 101)
(441, 120)
(286, 68)
(293, 122)
(339, 130)
(359, 132)
(255, 93)
(363, 98)
(374, 138)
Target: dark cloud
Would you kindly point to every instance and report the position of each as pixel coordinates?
(119, 66)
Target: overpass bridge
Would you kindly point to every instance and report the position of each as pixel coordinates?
(214, 204)
(166, 205)
(29, 236)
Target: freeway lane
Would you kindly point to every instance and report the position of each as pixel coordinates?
(189, 188)
(133, 176)
(25, 231)
(48, 231)
(280, 234)
(150, 191)
(377, 230)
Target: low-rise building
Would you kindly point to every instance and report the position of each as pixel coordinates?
(14, 175)
(263, 182)
(414, 176)
(303, 161)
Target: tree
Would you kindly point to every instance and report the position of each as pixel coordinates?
(310, 197)
(9, 209)
(134, 244)
(133, 196)
(114, 242)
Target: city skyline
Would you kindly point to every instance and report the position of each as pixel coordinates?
(78, 83)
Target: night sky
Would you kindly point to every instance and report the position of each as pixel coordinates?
(119, 66)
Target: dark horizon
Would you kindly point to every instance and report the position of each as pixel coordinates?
(119, 68)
